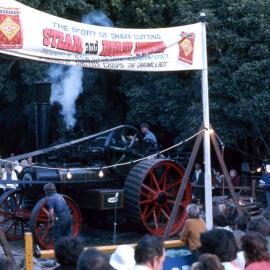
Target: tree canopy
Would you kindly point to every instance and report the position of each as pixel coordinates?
(238, 37)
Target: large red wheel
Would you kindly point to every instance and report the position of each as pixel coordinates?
(39, 222)
(14, 214)
(150, 192)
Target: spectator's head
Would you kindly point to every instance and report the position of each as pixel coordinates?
(233, 173)
(67, 250)
(6, 263)
(150, 252)
(220, 221)
(49, 189)
(144, 127)
(92, 259)
(208, 262)
(197, 166)
(29, 161)
(255, 248)
(24, 163)
(9, 167)
(267, 168)
(260, 225)
(241, 222)
(193, 211)
(123, 258)
(220, 242)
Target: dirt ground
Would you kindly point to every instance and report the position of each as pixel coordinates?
(89, 236)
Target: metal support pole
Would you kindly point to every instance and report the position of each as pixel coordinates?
(115, 217)
(207, 151)
(28, 251)
(223, 180)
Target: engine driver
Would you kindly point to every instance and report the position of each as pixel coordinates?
(149, 138)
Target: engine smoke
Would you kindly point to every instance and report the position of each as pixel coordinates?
(67, 81)
(66, 87)
(97, 17)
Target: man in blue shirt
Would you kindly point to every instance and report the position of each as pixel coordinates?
(59, 213)
(266, 180)
(149, 138)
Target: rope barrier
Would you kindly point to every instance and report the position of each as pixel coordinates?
(97, 168)
(236, 149)
(153, 155)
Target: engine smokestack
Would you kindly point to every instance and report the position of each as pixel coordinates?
(42, 93)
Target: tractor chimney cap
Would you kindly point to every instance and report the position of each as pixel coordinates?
(41, 91)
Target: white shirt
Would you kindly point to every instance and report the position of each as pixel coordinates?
(13, 177)
(241, 259)
(141, 267)
(197, 174)
(232, 265)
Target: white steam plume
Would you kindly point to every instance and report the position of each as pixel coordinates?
(66, 87)
(97, 17)
(67, 81)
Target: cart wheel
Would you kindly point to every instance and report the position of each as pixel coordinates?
(39, 222)
(14, 215)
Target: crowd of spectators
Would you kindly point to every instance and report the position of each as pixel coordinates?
(244, 246)
(149, 253)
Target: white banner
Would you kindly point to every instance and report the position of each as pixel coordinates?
(31, 34)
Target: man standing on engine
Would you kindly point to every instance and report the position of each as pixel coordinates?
(149, 139)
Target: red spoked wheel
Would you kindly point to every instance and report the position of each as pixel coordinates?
(150, 192)
(14, 214)
(42, 230)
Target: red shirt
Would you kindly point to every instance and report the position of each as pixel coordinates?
(264, 265)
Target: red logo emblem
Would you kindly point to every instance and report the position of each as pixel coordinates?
(10, 29)
(186, 47)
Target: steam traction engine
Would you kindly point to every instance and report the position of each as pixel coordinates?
(146, 189)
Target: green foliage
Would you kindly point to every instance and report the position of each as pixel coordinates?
(69, 9)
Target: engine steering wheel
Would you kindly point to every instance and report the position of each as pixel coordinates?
(121, 140)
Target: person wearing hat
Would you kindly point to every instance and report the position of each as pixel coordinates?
(123, 258)
(59, 214)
